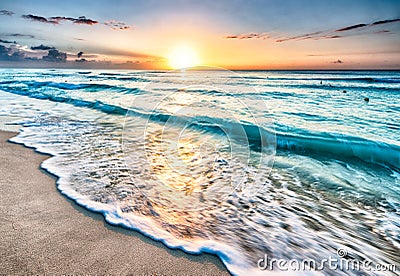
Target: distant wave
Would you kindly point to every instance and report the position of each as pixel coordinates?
(118, 77)
(349, 79)
(91, 87)
(384, 80)
(110, 74)
(341, 148)
(333, 86)
(319, 144)
(299, 141)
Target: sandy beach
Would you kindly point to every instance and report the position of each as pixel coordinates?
(42, 232)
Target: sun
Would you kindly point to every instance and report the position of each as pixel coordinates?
(183, 57)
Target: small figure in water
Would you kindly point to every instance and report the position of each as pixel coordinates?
(366, 99)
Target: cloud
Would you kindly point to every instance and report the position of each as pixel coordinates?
(386, 21)
(7, 54)
(4, 52)
(23, 55)
(330, 34)
(34, 53)
(337, 61)
(117, 25)
(352, 27)
(20, 35)
(333, 36)
(382, 32)
(18, 56)
(299, 37)
(38, 18)
(248, 36)
(80, 20)
(55, 56)
(42, 47)
(84, 20)
(7, 41)
(6, 12)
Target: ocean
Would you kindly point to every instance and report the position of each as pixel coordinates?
(290, 164)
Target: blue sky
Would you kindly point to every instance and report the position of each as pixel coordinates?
(235, 34)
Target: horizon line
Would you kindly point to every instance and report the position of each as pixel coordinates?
(217, 69)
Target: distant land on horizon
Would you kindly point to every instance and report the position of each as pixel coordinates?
(124, 67)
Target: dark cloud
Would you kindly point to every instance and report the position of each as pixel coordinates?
(16, 53)
(315, 36)
(55, 56)
(337, 61)
(6, 12)
(324, 37)
(80, 20)
(56, 19)
(80, 55)
(7, 41)
(42, 47)
(330, 34)
(248, 36)
(351, 27)
(4, 52)
(7, 54)
(61, 18)
(117, 25)
(39, 18)
(20, 35)
(18, 56)
(84, 20)
(299, 37)
(32, 58)
(386, 21)
(334, 36)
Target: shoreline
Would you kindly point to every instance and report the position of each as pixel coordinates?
(43, 232)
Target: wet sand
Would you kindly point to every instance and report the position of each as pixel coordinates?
(43, 232)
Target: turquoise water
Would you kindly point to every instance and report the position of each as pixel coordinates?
(293, 164)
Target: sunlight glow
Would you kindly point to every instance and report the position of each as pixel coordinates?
(183, 57)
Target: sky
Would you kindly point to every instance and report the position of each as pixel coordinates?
(233, 34)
